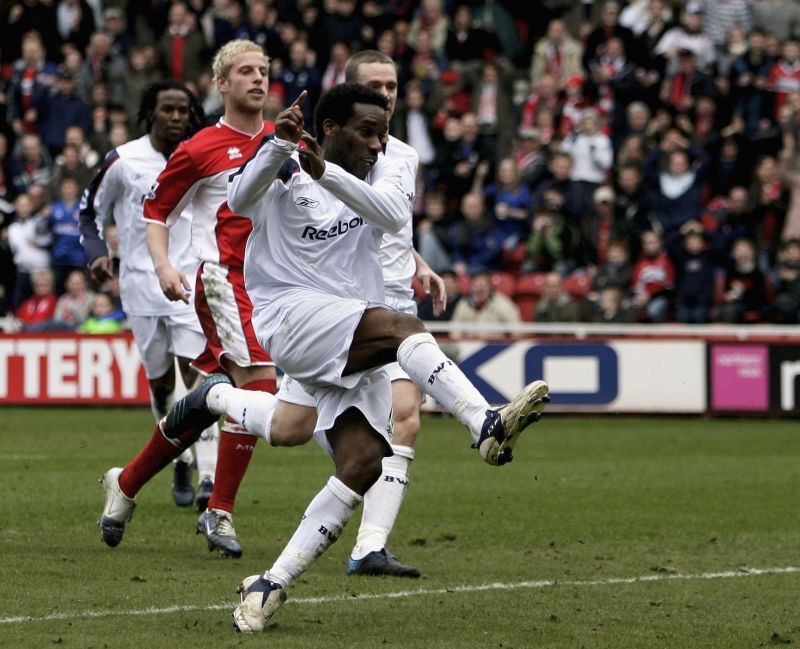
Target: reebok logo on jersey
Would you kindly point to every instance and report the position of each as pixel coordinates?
(341, 227)
(234, 153)
(304, 201)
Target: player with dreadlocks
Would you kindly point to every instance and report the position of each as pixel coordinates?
(163, 330)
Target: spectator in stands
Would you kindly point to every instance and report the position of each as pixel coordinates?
(334, 72)
(31, 78)
(74, 306)
(557, 54)
(745, 296)
(102, 66)
(559, 194)
(634, 205)
(552, 245)
(726, 220)
(677, 187)
(491, 103)
(27, 241)
(141, 70)
(32, 165)
(460, 155)
(40, 307)
(681, 90)
(63, 224)
(69, 165)
(591, 152)
(640, 15)
(60, 110)
(474, 241)
(182, 47)
(483, 305)
(721, 17)
(529, 156)
(731, 167)
(466, 41)
(301, 74)
(601, 227)
(785, 307)
(556, 304)
(507, 199)
(116, 29)
(75, 137)
(433, 20)
(688, 36)
(616, 272)
(75, 22)
(412, 121)
(749, 81)
(545, 94)
(609, 28)
(694, 273)
(769, 200)
(653, 279)
(7, 192)
(105, 318)
(610, 307)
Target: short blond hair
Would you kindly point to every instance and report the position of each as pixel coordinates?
(223, 59)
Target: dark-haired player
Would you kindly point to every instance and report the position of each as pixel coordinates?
(315, 277)
(163, 330)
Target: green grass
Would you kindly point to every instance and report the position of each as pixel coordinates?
(587, 500)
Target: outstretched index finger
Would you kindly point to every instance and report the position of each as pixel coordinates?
(300, 100)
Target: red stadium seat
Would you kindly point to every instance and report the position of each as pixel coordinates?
(504, 283)
(577, 285)
(527, 306)
(514, 257)
(531, 285)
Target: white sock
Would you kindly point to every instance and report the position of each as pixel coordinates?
(326, 516)
(436, 375)
(168, 403)
(249, 408)
(382, 502)
(186, 456)
(205, 449)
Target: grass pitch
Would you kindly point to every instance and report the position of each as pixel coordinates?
(604, 532)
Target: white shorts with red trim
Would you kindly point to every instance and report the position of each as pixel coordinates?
(225, 313)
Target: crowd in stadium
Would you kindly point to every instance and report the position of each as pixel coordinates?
(596, 161)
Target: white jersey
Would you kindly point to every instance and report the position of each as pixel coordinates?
(398, 263)
(320, 237)
(118, 189)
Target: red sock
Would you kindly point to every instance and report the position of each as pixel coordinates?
(156, 454)
(233, 456)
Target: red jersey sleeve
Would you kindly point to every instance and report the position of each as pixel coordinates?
(173, 189)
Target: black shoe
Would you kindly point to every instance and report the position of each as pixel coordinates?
(217, 526)
(191, 412)
(381, 562)
(182, 490)
(204, 490)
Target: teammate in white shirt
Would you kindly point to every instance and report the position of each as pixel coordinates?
(314, 276)
(163, 330)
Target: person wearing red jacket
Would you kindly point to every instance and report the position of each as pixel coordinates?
(41, 306)
(653, 278)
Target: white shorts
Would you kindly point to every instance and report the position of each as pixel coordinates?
(292, 391)
(372, 395)
(160, 338)
(312, 340)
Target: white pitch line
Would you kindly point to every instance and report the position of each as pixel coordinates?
(544, 583)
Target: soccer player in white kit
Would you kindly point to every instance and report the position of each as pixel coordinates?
(314, 276)
(163, 330)
(295, 417)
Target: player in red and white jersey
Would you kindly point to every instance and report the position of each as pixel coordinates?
(164, 331)
(197, 175)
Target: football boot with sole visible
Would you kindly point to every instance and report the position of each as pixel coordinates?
(503, 426)
(191, 412)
